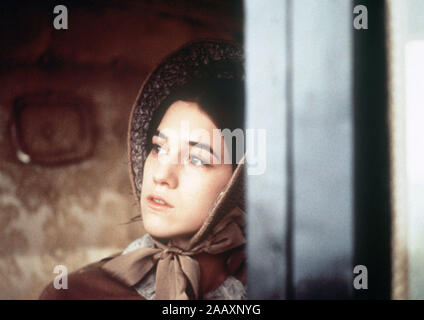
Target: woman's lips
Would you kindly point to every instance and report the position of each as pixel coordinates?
(158, 203)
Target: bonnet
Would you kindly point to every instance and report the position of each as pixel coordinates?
(177, 273)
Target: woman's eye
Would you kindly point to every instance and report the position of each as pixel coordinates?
(198, 162)
(158, 149)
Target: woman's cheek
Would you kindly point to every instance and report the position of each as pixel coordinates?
(148, 170)
(196, 195)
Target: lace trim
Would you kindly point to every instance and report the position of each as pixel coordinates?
(230, 289)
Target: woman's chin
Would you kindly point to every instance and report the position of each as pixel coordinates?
(157, 231)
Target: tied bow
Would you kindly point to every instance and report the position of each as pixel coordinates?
(176, 269)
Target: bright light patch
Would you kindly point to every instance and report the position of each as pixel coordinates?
(414, 65)
(415, 109)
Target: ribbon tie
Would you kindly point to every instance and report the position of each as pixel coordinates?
(176, 270)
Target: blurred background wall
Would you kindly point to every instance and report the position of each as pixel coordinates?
(65, 99)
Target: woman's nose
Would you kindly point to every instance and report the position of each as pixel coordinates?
(166, 173)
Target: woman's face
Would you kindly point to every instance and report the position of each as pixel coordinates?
(182, 177)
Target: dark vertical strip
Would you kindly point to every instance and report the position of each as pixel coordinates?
(289, 154)
(372, 202)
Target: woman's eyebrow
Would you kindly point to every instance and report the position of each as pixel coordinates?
(160, 135)
(203, 146)
(200, 145)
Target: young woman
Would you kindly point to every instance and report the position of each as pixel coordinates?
(187, 176)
